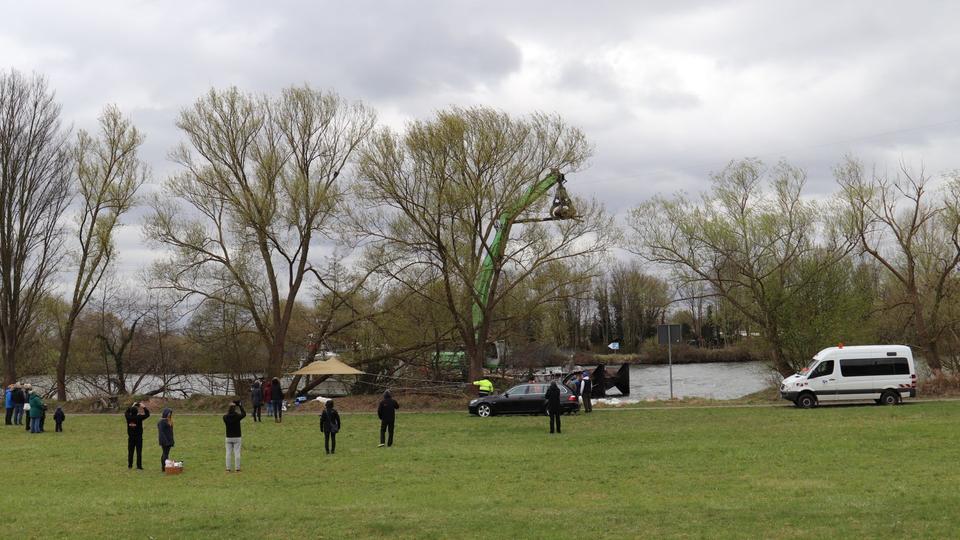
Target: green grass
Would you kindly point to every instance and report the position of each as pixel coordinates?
(833, 472)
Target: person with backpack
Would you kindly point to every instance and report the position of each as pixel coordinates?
(165, 432)
(276, 394)
(233, 441)
(256, 399)
(330, 426)
(135, 415)
(387, 413)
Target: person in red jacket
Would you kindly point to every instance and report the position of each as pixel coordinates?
(267, 389)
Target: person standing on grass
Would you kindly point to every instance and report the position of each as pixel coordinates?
(586, 390)
(135, 415)
(165, 430)
(330, 426)
(276, 394)
(387, 413)
(19, 400)
(8, 405)
(233, 442)
(267, 389)
(553, 405)
(59, 417)
(256, 399)
(36, 411)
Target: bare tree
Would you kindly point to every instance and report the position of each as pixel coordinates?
(903, 224)
(260, 188)
(34, 192)
(108, 174)
(433, 198)
(755, 248)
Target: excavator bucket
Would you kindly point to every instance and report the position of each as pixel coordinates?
(562, 207)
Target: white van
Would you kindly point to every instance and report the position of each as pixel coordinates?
(883, 373)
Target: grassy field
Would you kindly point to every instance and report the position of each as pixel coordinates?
(833, 472)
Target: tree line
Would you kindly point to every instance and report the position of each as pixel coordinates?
(296, 222)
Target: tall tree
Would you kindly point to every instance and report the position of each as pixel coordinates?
(34, 193)
(260, 184)
(434, 196)
(913, 231)
(108, 173)
(755, 248)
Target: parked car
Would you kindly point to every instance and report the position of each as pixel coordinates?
(883, 373)
(523, 399)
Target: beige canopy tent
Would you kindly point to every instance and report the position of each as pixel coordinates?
(327, 367)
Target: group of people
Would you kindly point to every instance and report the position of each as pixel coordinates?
(330, 425)
(24, 407)
(269, 393)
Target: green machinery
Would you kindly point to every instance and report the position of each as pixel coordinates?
(562, 208)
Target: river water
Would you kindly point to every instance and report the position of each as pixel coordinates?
(719, 380)
(722, 380)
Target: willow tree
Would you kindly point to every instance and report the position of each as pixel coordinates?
(753, 239)
(258, 190)
(431, 200)
(108, 172)
(913, 231)
(34, 193)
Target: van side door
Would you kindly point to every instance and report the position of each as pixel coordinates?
(822, 381)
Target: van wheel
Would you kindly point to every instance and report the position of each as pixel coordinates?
(807, 401)
(889, 398)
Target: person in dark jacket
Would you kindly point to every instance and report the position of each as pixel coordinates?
(165, 431)
(553, 405)
(387, 413)
(36, 411)
(233, 442)
(256, 400)
(586, 392)
(8, 405)
(59, 417)
(330, 426)
(19, 398)
(276, 395)
(135, 415)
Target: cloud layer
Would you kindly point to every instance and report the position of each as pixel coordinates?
(666, 91)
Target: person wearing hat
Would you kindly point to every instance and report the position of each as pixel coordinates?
(387, 413)
(8, 405)
(586, 390)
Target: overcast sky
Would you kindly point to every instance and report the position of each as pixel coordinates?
(666, 91)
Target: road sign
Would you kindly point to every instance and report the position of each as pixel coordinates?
(615, 346)
(669, 333)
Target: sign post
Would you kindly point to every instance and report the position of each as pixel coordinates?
(668, 334)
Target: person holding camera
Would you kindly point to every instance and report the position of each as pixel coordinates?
(135, 415)
(232, 422)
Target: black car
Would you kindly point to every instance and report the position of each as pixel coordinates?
(523, 399)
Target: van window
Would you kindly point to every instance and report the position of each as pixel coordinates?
(825, 368)
(871, 367)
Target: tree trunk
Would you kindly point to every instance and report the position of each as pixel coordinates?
(9, 365)
(62, 361)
